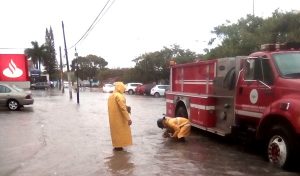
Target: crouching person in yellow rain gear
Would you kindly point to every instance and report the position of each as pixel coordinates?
(119, 118)
(178, 127)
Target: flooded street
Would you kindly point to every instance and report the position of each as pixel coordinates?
(56, 136)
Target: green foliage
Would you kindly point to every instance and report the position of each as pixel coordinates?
(50, 62)
(36, 53)
(154, 67)
(44, 54)
(111, 75)
(249, 33)
(88, 66)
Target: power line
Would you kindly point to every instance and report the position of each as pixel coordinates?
(13, 48)
(100, 17)
(91, 26)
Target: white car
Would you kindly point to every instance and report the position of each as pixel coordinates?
(159, 90)
(108, 88)
(130, 87)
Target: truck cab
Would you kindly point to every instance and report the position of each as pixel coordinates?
(267, 99)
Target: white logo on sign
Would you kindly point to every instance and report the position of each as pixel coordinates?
(253, 96)
(12, 71)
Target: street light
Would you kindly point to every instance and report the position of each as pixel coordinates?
(76, 55)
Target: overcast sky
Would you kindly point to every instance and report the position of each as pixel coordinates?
(128, 29)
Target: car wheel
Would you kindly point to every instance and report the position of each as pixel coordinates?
(13, 105)
(280, 148)
(130, 92)
(156, 95)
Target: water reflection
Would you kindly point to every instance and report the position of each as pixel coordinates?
(120, 163)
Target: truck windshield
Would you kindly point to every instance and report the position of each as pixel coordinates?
(288, 64)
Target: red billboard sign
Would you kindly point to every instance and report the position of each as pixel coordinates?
(13, 67)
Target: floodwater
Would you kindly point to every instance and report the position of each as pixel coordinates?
(57, 137)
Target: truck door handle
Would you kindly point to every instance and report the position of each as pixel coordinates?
(268, 92)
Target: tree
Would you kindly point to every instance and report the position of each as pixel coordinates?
(88, 66)
(249, 33)
(154, 67)
(36, 53)
(50, 62)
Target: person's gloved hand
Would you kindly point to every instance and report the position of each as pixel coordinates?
(128, 109)
(129, 122)
(166, 134)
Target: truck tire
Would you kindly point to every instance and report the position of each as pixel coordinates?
(181, 112)
(280, 147)
(13, 105)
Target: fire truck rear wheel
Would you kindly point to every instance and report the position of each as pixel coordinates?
(280, 147)
(181, 112)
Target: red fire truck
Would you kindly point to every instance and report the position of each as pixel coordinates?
(257, 94)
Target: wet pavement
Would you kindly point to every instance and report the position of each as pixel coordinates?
(56, 136)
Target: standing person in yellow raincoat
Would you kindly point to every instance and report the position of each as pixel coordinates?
(178, 127)
(119, 118)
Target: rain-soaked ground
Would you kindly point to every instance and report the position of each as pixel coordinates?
(57, 137)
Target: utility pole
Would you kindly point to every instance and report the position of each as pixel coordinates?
(253, 8)
(61, 86)
(77, 72)
(68, 69)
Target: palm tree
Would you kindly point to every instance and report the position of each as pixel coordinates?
(37, 54)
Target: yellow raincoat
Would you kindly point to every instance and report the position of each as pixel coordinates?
(178, 126)
(119, 117)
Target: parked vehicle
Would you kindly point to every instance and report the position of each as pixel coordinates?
(40, 85)
(108, 88)
(144, 89)
(148, 88)
(85, 83)
(140, 89)
(66, 84)
(95, 83)
(253, 97)
(159, 90)
(130, 87)
(14, 97)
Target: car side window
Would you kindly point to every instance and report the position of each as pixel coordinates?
(4, 89)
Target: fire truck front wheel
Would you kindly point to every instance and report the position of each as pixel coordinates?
(280, 147)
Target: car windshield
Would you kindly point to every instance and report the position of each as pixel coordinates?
(288, 64)
(17, 88)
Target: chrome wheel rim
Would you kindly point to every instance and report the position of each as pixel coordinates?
(277, 151)
(13, 105)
